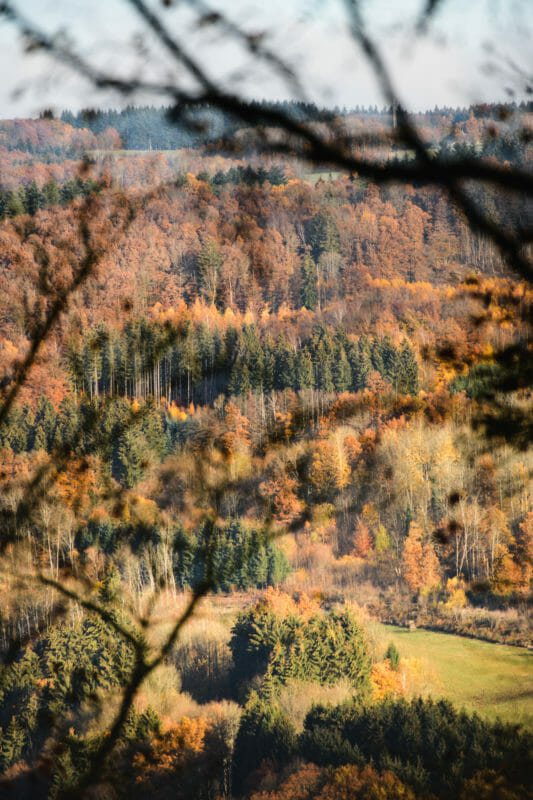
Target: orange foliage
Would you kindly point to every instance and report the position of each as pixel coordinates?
(281, 491)
(353, 449)
(362, 540)
(283, 605)
(348, 782)
(77, 482)
(171, 751)
(386, 681)
(237, 436)
(420, 564)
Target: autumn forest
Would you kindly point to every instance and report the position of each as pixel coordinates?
(260, 419)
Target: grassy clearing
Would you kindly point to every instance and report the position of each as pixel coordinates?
(492, 679)
(314, 175)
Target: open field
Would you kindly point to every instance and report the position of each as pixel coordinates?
(491, 679)
(314, 175)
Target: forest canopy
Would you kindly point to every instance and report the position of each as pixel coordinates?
(265, 387)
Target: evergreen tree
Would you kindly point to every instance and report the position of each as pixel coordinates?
(276, 176)
(254, 359)
(131, 458)
(67, 423)
(376, 357)
(269, 363)
(17, 431)
(360, 363)
(239, 382)
(265, 733)
(278, 565)
(152, 429)
(323, 648)
(342, 374)
(45, 424)
(110, 363)
(407, 370)
(324, 235)
(258, 563)
(67, 193)
(14, 204)
(91, 362)
(285, 372)
(392, 655)
(51, 193)
(309, 288)
(305, 374)
(323, 367)
(39, 438)
(389, 356)
(34, 199)
(11, 743)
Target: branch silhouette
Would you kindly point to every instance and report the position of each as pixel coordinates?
(334, 147)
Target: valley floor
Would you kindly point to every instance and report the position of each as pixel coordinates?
(491, 679)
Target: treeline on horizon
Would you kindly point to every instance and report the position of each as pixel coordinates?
(143, 128)
(148, 128)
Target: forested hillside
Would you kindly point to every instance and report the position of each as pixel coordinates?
(271, 387)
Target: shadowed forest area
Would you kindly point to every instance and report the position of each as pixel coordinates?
(266, 501)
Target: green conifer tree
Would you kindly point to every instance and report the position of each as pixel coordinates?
(278, 565)
(67, 423)
(285, 368)
(376, 358)
(324, 235)
(323, 367)
(341, 372)
(14, 204)
(407, 370)
(51, 193)
(34, 199)
(131, 457)
(309, 288)
(269, 363)
(389, 356)
(305, 374)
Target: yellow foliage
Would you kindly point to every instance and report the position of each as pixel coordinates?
(386, 681)
(456, 594)
(143, 510)
(175, 413)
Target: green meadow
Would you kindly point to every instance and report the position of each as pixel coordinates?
(492, 679)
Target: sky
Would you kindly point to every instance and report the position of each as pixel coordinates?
(449, 64)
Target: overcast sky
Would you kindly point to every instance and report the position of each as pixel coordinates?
(448, 65)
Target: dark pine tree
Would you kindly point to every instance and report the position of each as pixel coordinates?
(309, 287)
